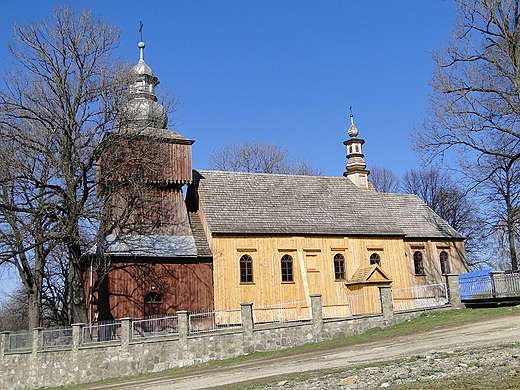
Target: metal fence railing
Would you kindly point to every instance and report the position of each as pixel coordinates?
(363, 304)
(336, 308)
(101, 333)
(420, 297)
(154, 327)
(351, 305)
(507, 285)
(478, 287)
(282, 313)
(216, 320)
(56, 337)
(20, 341)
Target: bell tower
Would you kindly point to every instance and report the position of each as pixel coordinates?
(143, 169)
(356, 166)
(154, 266)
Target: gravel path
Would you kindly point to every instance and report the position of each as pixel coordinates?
(501, 361)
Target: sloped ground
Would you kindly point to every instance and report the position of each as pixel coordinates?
(434, 345)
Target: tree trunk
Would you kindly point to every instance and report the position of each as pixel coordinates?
(34, 298)
(77, 304)
(511, 236)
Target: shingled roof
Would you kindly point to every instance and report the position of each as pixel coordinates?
(258, 203)
(417, 219)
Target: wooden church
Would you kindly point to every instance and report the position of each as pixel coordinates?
(235, 237)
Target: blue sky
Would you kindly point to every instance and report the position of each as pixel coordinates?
(282, 71)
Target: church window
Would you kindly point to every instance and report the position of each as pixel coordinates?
(153, 305)
(445, 265)
(287, 269)
(418, 263)
(375, 259)
(339, 267)
(153, 297)
(246, 269)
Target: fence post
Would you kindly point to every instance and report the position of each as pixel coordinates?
(126, 332)
(387, 303)
(498, 284)
(183, 317)
(317, 315)
(4, 344)
(37, 340)
(77, 340)
(316, 311)
(246, 315)
(452, 281)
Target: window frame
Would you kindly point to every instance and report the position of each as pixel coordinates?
(418, 263)
(445, 263)
(339, 267)
(375, 259)
(287, 268)
(246, 269)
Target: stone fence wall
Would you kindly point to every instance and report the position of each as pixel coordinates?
(80, 363)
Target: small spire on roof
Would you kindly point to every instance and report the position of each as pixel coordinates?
(140, 45)
(352, 130)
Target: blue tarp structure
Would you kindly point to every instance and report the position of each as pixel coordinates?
(475, 283)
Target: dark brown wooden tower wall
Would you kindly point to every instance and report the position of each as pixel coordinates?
(155, 266)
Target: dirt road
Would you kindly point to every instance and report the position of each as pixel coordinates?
(498, 330)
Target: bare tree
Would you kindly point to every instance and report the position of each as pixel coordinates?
(474, 109)
(258, 157)
(60, 98)
(384, 180)
(500, 193)
(14, 311)
(452, 203)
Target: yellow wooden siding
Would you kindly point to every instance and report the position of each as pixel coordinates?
(431, 250)
(313, 267)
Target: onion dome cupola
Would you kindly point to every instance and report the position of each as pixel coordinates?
(144, 123)
(142, 110)
(356, 166)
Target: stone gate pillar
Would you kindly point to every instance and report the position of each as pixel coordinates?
(317, 316)
(246, 315)
(498, 284)
(4, 344)
(452, 281)
(387, 303)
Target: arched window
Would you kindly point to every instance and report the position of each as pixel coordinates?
(287, 269)
(339, 267)
(445, 265)
(418, 263)
(153, 297)
(153, 305)
(246, 269)
(375, 259)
